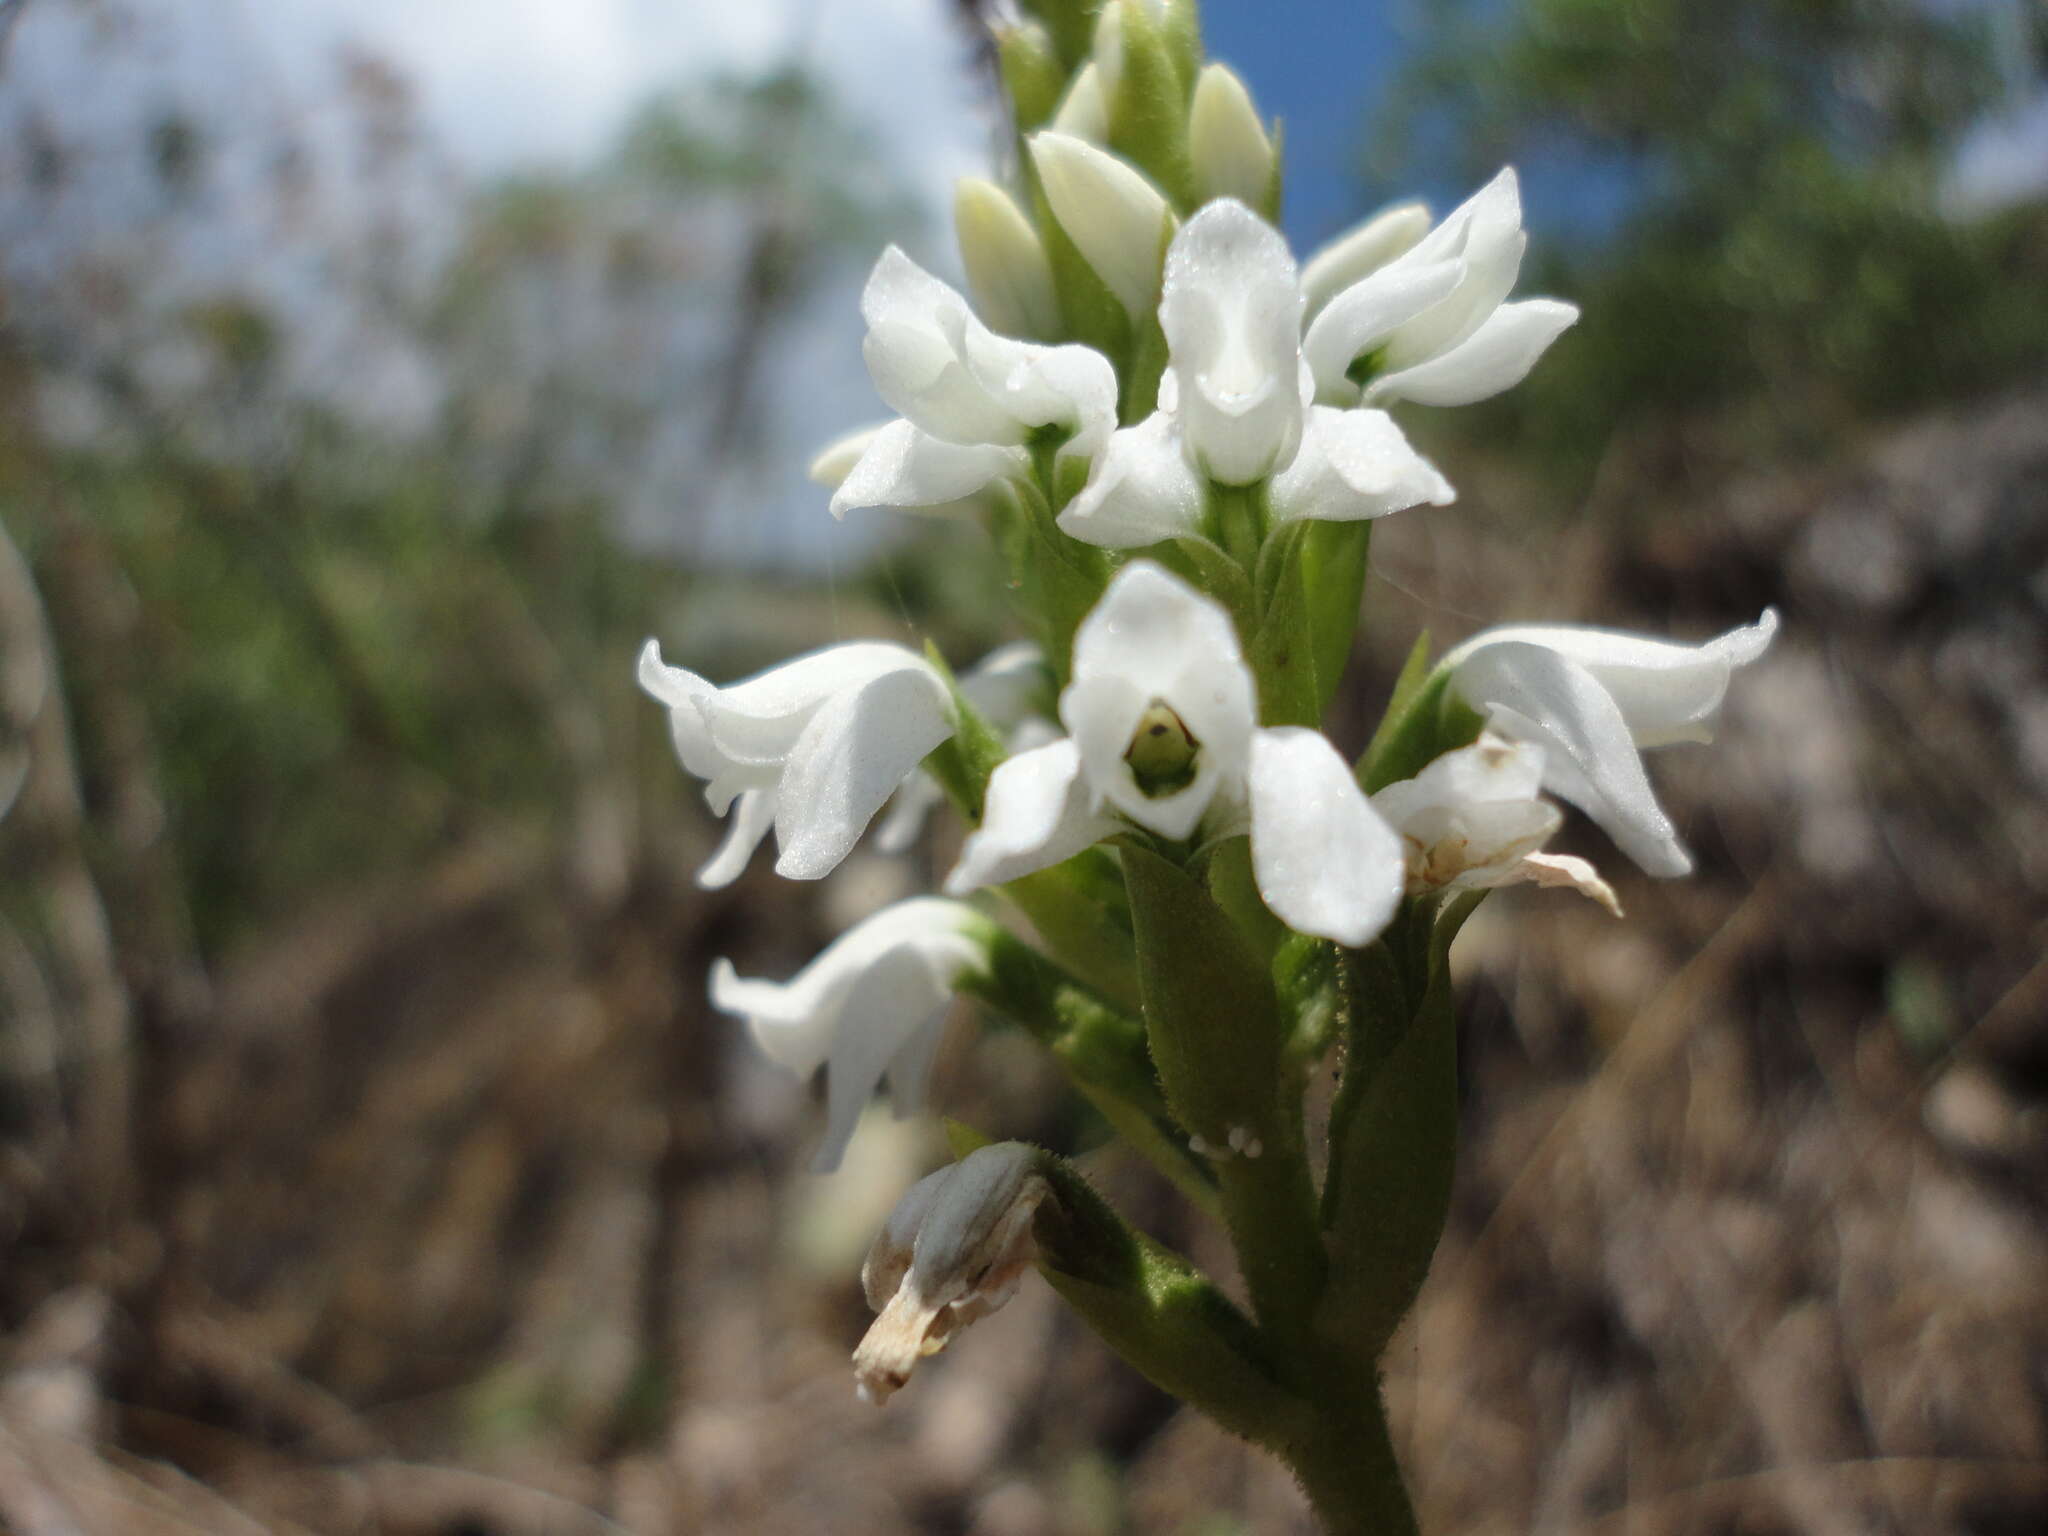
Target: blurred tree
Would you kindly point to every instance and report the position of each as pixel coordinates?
(1781, 251)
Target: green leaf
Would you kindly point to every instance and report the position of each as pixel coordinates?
(1161, 1314)
(1412, 734)
(1393, 1131)
(1309, 580)
(963, 762)
(1210, 1013)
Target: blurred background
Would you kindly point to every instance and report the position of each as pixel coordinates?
(374, 377)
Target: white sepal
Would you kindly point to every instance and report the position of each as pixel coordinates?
(1141, 490)
(1231, 310)
(869, 1007)
(1323, 859)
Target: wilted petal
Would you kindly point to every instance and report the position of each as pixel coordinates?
(1533, 693)
(859, 746)
(952, 1251)
(1496, 356)
(1324, 860)
(1562, 871)
(1232, 314)
(1036, 814)
(905, 467)
(1357, 254)
(1141, 491)
(1355, 465)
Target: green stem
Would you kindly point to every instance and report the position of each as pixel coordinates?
(1347, 1467)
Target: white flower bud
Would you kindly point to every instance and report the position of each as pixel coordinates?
(1118, 219)
(1007, 270)
(1084, 110)
(950, 1253)
(1228, 144)
(1109, 48)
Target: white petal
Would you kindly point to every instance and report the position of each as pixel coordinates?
(788, 1020)
(1533, 693)
(1355, 465)
(681, 689)
(915, 801)
(1008, 684)
(1324, 860)
(1491, 770)
(1362, 251)
(1496, 356)
(1119, 221)
(759, 720)
(1667, 691)
(888, 1008)
(905, 467)
(1232, 314)
(836, 459)
(1485, 234)
(753, 813)
(1153, 637)
(1069, 386)
(855, 752)
(1141, 490)
(1036, 815)
(1361, 318)
(917, 326)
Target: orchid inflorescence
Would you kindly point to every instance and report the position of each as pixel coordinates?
(1179, 438)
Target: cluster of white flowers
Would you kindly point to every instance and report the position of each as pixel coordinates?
(1272, 395)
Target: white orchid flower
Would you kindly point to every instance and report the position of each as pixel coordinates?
(1473, 820)
(1005, 688)
(811, 748)
(1163, 735)
(1234, 405)
(1434, 320)
(1592, 699)
(870, 1006)
(968, 400)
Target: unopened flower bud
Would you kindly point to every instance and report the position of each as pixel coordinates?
(1007, 270)
(1084, 110)
(1032, 72)
(1227, 142)
(1120, 222)
(950, 1253)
